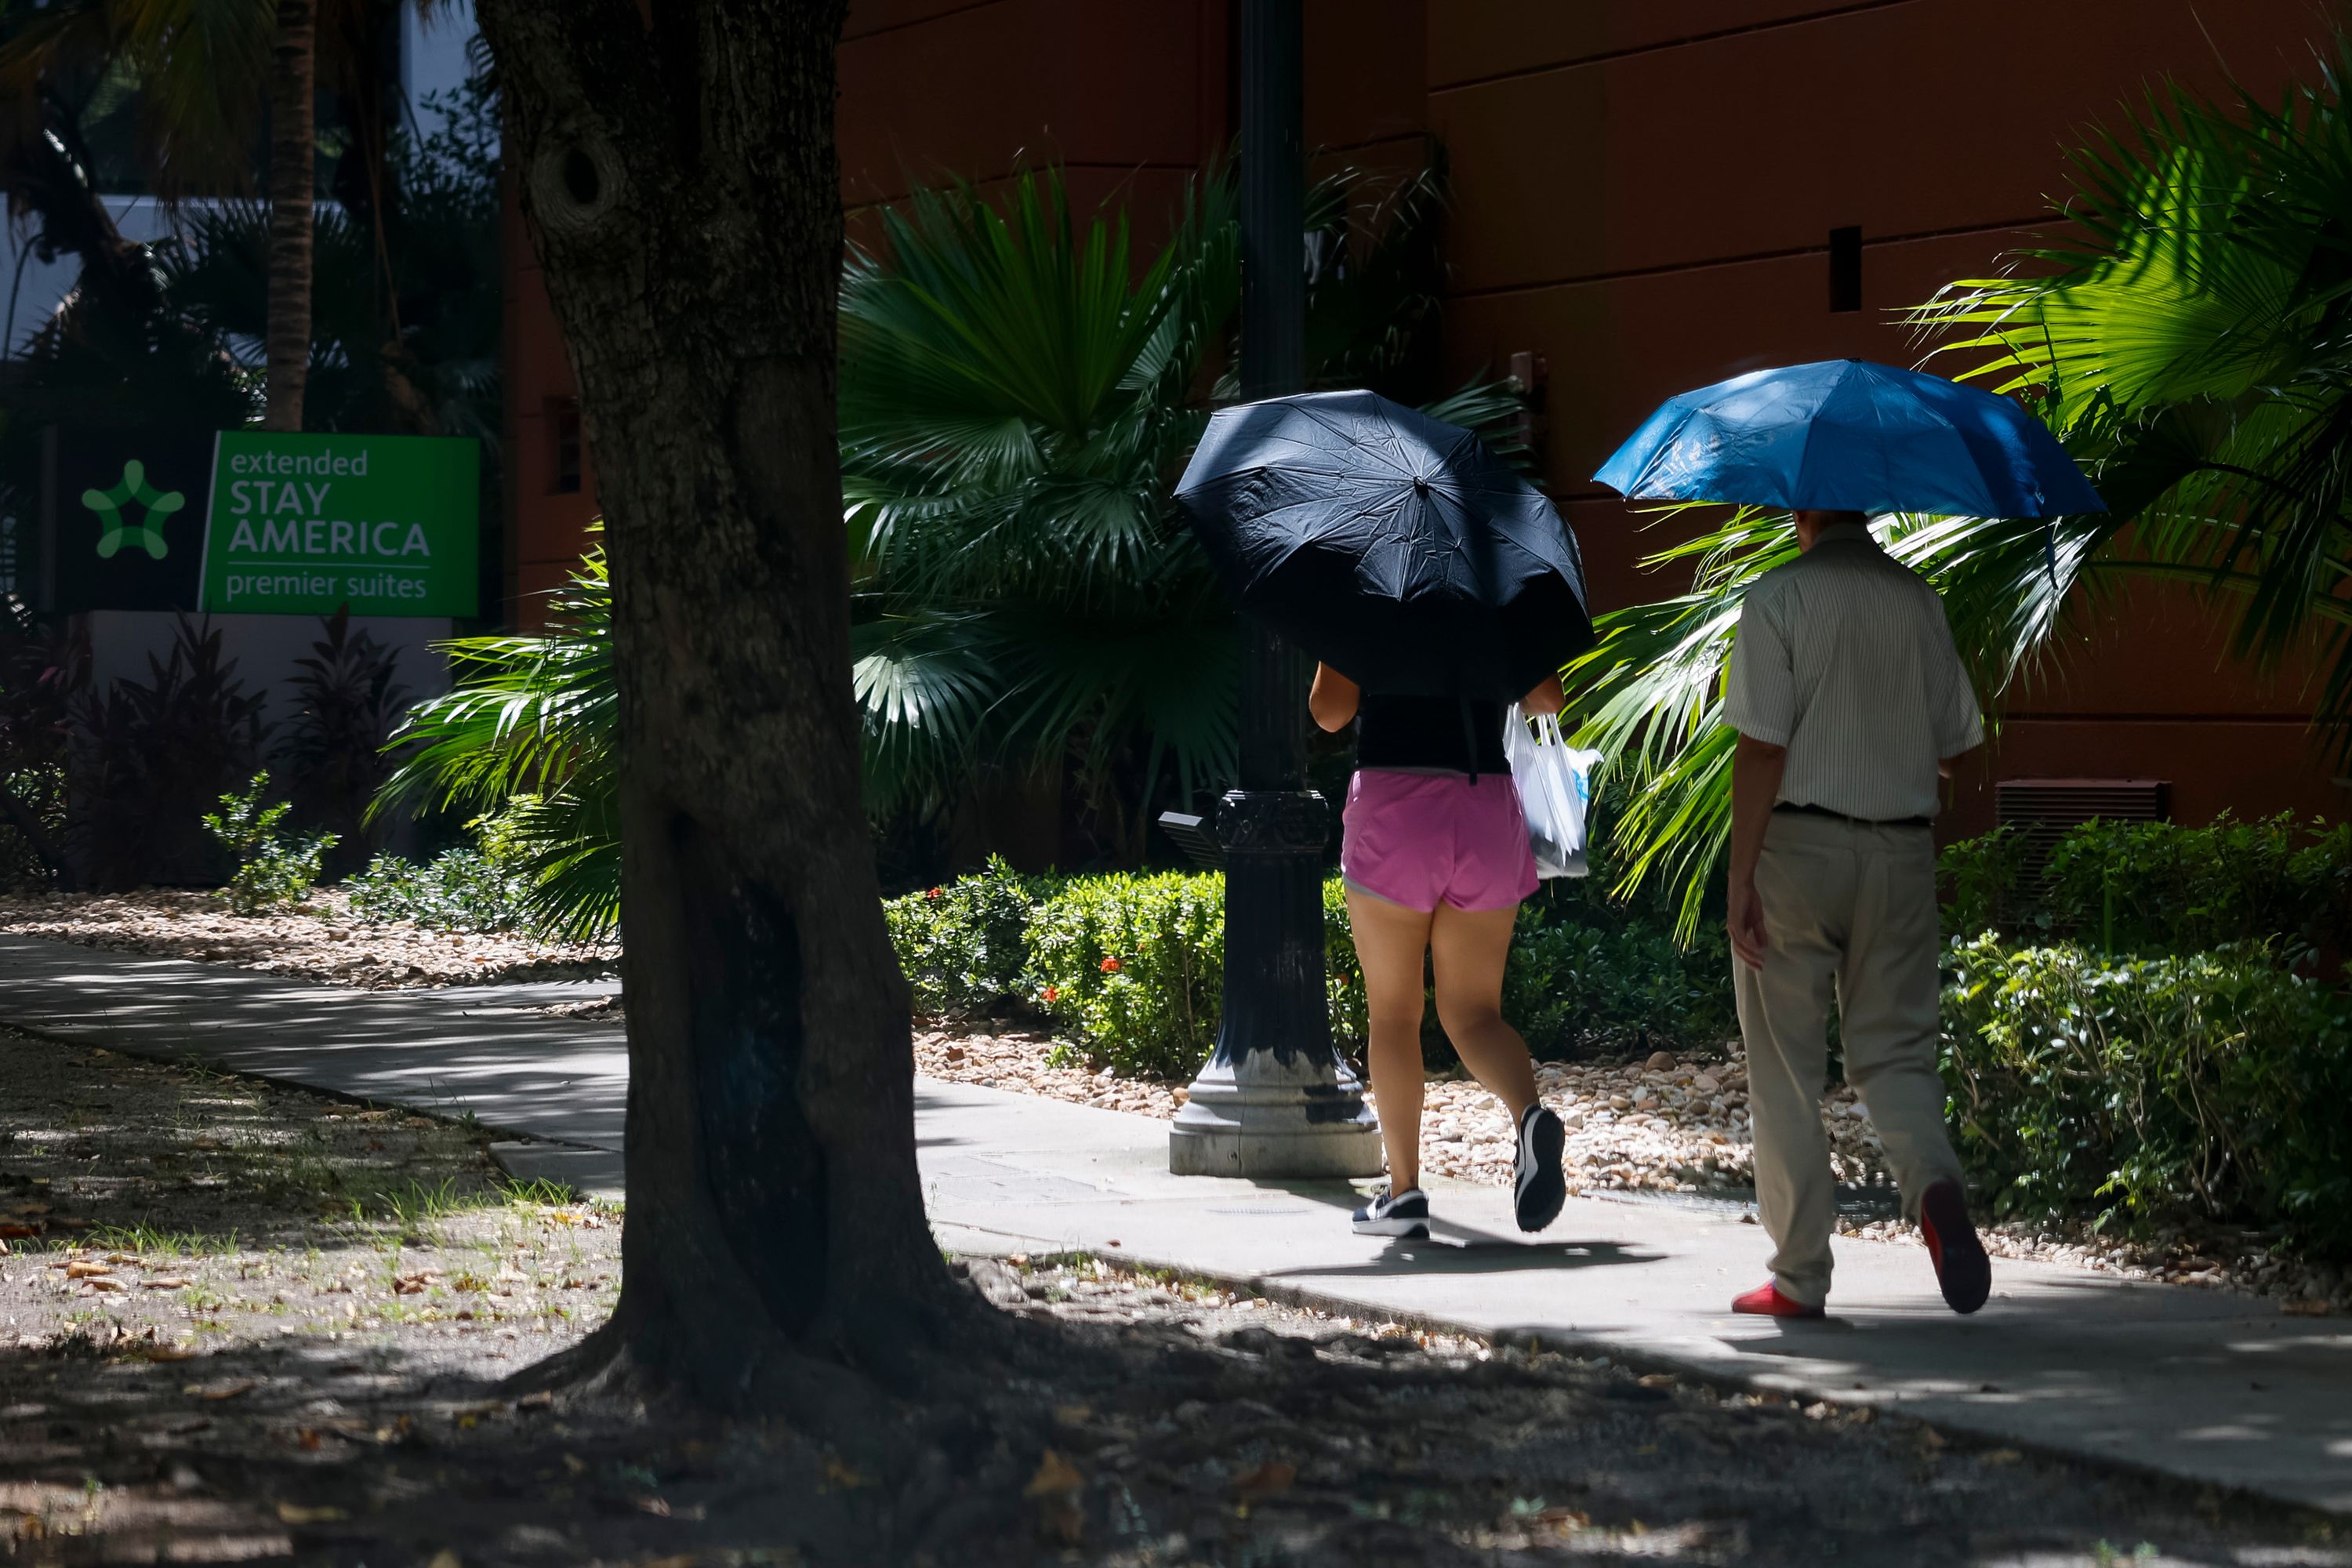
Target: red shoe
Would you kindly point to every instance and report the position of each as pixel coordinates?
(1766, 1301)
(1961, 1267)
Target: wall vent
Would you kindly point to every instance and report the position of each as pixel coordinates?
(2043, 809)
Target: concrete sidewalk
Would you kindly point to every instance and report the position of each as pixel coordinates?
(2205, 1385)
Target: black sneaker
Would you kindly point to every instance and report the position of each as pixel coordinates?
(1395, 1214)
(1961, 1267)
(1538, 1182)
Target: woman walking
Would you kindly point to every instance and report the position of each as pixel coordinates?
(1436, 862)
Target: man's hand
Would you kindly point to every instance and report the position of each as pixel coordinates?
(1746, 924)
(1756, 768)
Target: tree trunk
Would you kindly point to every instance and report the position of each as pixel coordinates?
(293, 178)
(682, 187)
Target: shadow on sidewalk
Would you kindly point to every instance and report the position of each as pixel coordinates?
(1467, 1252)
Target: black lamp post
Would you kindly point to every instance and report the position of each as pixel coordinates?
(1275, 1098)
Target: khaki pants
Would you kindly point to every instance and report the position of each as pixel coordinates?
(1849, 909)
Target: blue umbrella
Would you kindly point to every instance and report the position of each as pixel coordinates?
(1849, 435)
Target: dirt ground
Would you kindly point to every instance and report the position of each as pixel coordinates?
(318, 941)
(243, 1322)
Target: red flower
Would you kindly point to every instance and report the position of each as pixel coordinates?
(932, 894)
(1053, 995)
(1110, 966)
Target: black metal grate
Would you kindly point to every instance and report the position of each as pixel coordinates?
(2043, 809)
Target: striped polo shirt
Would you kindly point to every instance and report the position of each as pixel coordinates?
(1844, 657)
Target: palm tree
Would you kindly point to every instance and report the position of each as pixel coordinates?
(203, 71)
(1015, 403)
(1013, 410)
(528, 733)
(2187, 342)
(293, 183)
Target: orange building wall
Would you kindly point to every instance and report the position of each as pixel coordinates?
(1643, 196)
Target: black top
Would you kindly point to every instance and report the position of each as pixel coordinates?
(1449, 733)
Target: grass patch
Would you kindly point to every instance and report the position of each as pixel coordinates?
(149, 1241)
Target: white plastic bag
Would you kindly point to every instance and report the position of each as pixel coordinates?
(1555, 784)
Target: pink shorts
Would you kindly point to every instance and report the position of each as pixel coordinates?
(1425, 840)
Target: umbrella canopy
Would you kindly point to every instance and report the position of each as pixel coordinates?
(1395, 548)
(1851, 436)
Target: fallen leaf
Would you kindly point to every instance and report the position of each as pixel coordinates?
(79, 1269)
(295, 1513)
(541, 1400)
(445, 1559)
(164, 1282)
(840, 1475)
(1073, 1414)
(229, 1389)
(106, 1284)
(1268, 1480)
(1657, 1380)
(2300, 1307)
(1054, 1475)
(2002, 1457)
(658, 1507)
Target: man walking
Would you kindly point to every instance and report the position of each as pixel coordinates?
(1851, 707)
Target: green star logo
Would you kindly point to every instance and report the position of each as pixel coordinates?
(148, 534)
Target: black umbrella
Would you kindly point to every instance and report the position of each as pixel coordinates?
(1395, 548)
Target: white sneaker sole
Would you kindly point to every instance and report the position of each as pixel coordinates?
(1391, 1226)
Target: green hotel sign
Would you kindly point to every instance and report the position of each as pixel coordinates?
(300, 525)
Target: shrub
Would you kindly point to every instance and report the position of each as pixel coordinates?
(1134, 967)
(472, 890)
(2142, 1089)
(2154, 888)
(457, 890)
(347, 698)
(150, 756)
(1577, 990)
(275, 869)
(965, 946)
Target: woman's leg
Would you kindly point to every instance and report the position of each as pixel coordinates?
(1391, 941)
(1467, 947)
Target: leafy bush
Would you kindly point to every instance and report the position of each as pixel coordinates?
(473, 889)
(347, 699)
(1577, 990)
(151, 755)
(2154, 888)
(965, 946)
(1134, 966)
(2142, 1089)
(275, 869)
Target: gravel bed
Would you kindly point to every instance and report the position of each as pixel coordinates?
(321, 940)
(1674, 1125)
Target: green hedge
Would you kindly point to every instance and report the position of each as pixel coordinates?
(2141, 1090)
(2157, 888)
(965, 946)
(1131, 969)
